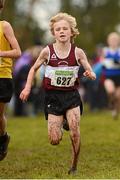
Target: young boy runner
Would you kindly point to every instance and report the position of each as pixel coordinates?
(9, 49)
(62, 100)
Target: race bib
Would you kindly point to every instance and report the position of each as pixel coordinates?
(63, 78)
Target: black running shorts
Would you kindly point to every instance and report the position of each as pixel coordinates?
(58, 102)
(6, 89)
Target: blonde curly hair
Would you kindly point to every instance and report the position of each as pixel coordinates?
(70, 19)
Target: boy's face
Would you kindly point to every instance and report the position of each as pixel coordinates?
(62, 31)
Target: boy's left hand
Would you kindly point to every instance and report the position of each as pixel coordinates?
(90, 74)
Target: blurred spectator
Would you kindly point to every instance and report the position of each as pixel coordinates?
(97, 54)
(95, 94)
(21, 69)
(111, 63)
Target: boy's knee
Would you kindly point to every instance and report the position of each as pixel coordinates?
(54, 142)
(75, 134)
(55, 138)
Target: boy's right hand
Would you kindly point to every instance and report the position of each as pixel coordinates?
(24, 94)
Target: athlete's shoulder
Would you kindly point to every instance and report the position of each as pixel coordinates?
(50, 47)
(45, 49)
(79, 50)
(80, 53)
(119, 50)
(6, 26)
(106, 48)
(45, 52)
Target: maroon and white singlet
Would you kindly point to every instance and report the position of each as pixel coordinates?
(61, 74)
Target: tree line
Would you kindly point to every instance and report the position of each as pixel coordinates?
(95, 18)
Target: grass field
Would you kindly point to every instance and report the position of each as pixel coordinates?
(31, 156)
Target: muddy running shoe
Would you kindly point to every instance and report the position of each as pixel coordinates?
(4, 141)
(65, 125)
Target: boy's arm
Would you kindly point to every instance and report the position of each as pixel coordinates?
(40, 60)
(82, 59)
(15, 51)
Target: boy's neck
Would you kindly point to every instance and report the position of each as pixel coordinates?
(59, 45)
(62, 50)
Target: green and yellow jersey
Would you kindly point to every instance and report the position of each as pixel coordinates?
(5, 63)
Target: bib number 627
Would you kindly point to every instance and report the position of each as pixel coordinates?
(64, 81)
